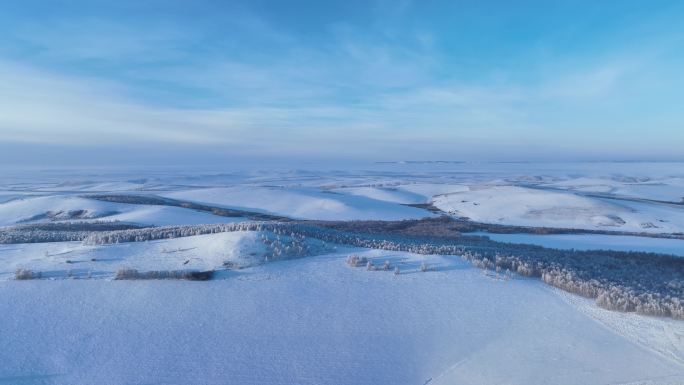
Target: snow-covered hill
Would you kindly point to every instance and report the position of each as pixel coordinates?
(514, 205)
(66, 207)
(271, 317)
(301, 203)
(60, 260)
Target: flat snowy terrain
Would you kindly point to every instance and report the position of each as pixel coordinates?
(319, 321)
(285, 310)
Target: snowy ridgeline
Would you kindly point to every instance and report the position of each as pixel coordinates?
(645, 283)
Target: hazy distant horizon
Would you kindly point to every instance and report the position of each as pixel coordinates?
(204, 82)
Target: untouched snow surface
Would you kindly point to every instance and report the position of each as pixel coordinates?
(302, 203)
(317, 321)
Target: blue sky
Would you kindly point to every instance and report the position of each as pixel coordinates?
(211, 81)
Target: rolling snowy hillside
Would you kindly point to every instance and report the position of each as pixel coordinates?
(514, 205)
(282, 308)
(302, 203)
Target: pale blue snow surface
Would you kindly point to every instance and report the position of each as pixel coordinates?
(313, 321)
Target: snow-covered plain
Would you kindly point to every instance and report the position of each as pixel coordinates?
(315, 320)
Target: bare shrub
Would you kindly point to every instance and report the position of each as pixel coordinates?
(25, 274)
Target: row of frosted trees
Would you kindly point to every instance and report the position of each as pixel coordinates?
(626, 281)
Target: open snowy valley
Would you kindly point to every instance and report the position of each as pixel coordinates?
(402, 273)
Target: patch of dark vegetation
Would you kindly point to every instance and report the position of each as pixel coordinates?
(446, 226)
(26, 274)
(161, 201)
(432, 227)
(190, 275)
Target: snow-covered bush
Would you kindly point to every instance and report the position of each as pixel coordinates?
(356, 261)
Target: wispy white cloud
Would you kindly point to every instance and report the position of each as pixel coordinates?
(382, 91)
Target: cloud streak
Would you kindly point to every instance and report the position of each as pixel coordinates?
(378, 91)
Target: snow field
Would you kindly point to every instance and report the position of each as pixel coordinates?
(313, 321)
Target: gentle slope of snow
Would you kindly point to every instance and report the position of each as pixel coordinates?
(313, 321)
(31, 209)
(302, 203)
(514, 205)
(58, 260)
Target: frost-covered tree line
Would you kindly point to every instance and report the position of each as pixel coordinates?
(646, 283)
(133, 274)
(168, 232)
(58, 231)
